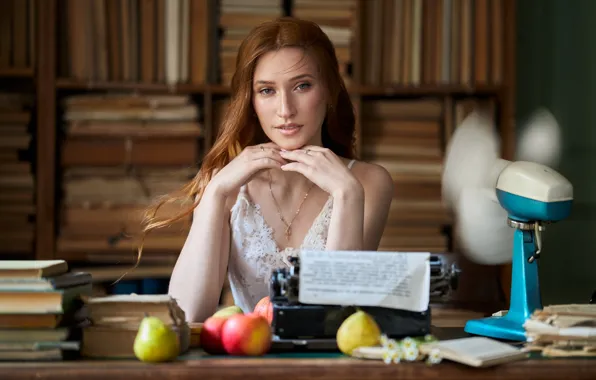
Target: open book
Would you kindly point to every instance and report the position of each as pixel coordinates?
(475, 351)
(472, 351)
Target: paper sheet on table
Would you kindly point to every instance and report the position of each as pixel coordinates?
(397, 280)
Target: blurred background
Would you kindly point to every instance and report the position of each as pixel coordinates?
(107, 104)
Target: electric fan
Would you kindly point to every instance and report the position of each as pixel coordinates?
(501, 207)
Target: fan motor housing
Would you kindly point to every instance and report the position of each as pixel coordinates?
(533, 192)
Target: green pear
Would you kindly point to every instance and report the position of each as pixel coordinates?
(155, 341)
(228, 311)
(358, 330)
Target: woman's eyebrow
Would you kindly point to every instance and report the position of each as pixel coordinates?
(301, 76)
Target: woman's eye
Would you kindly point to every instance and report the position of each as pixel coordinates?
(266, 91)
(303, 86)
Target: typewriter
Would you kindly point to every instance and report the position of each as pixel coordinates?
(297, 326)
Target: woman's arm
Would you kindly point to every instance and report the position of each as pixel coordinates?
(360, 211)
(200, 270)
(195, 283)
(346, 228)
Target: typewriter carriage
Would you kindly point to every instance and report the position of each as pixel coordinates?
(294, 320)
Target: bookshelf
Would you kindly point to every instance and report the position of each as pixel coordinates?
(409, 91)
(18, 53)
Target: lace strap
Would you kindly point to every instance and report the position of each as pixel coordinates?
(241, 199)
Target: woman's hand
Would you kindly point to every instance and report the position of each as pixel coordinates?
(243, 167)
(324, 169)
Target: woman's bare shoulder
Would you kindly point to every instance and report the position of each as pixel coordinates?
(373, 177)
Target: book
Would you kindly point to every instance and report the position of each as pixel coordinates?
(32, 268)
(475, 351)
(61, 281)
(115, 321)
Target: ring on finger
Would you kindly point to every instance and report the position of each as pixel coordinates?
(263, 149)
(307, 152)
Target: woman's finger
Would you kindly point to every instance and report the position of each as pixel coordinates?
(298, 167)
(269, 145)
(267, 163)
(298, 155)
(268, 153)
(314, 148)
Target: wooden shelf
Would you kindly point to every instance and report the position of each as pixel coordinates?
(431, 90)
(74, 84)
(17, 72)
(218, 89)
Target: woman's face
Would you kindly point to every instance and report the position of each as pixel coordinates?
(289, 98)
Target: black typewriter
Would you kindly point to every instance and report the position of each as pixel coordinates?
(299, 326)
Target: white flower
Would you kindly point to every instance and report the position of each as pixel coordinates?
(398, 355)
(384, 340)
(434, 357)
(391, 356)
(408, 343)
(392, 345)
(410, 353)
(387, 356)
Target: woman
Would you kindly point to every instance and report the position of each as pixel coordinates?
(281, 174)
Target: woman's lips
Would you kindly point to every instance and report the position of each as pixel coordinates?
(289, 129)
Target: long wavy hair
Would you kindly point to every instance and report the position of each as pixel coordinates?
(240, 127)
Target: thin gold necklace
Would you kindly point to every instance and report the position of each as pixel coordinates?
(288, 231)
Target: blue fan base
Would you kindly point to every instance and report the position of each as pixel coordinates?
(525, 286)
(525, 294)
(497, 327)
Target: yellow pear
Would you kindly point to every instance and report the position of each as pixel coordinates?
(358, 330)
(228, 312)
(155, 341)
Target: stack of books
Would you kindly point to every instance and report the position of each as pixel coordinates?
(237, 19)
(122, 152)
(405, 137)
(17, 203)
(40, 302)
(338, 19)
(562, 330)
(115, 321)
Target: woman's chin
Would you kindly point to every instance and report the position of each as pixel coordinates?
(292, 142)
(289, 145)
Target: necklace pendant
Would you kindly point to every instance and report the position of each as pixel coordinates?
(288, 233)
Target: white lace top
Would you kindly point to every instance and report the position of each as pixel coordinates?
(254, 252)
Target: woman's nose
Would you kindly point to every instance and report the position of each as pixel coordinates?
(286, 108)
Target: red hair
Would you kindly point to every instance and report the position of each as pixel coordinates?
(240, 127)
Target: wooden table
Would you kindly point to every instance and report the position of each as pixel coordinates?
(292, 368)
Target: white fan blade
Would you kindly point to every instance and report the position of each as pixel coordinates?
(540, 140)
(471, 153)
(481, 227)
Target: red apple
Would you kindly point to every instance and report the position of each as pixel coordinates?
(247, 335)
(265, 308)
(211, 335)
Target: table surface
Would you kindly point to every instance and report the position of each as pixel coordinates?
(309, 365)
(297, 368)
(328, 367)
